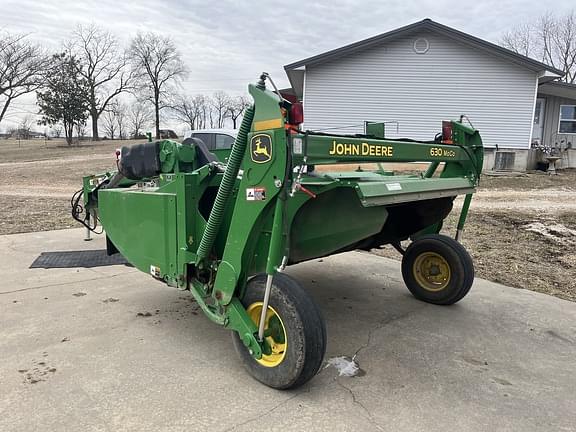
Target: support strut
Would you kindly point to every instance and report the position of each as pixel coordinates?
(463, 215)
(274, 256)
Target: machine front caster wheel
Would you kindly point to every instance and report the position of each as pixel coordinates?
(294, 330)
(437, 269)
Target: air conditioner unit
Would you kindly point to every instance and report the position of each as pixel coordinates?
(504, 160)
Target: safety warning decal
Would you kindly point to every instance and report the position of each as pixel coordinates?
(256, 194)
(155, 271)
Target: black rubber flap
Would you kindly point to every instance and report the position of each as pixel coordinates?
(84, 258)
(140, 160)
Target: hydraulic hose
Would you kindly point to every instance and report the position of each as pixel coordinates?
(226, 186)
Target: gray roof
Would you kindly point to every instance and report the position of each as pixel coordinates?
(425, 24)
(560, 89)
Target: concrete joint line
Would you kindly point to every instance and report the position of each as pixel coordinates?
(369, 415)
(381, 325)
(62, 283)
(261, 415)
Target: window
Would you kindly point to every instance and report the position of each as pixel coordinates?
(567, 124)
(207, 138)
(224, 142)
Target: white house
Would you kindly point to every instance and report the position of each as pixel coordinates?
(418, 75)
(555, 120)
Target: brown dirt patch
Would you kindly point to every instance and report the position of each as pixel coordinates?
(37, 180)
(37, 150)
(27, 214)
(537, 180)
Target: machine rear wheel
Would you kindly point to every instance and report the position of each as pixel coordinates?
(294, 330)
(437, 269)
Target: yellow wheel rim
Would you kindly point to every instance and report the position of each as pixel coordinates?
(431, 271)
(274, 331)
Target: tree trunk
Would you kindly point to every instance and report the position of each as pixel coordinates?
(94, 111)
(94, 116)
(157, 112)
(68, 130)
(5, 108)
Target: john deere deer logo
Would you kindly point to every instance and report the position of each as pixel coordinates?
(261, 148)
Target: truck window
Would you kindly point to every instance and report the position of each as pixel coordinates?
(224, 142)
(206, 138)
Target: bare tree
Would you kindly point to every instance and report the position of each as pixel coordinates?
(120, 113)
(521, 39)
(204, 110)
(220, 102)
(109, 124)
(22, 64)
(210, 113)
(81, 130)
(139, 115)
(158, 67)
(104, 66)
(551, 39)
(25, 127)
(237, 107)
(190, 110)
(57, 131)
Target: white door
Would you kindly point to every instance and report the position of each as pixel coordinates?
(538, 126)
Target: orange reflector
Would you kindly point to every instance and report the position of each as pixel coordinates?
(447, 132)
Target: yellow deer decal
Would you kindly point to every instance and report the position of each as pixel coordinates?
(260, 150)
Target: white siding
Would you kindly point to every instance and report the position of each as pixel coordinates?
(392, 82)
(551, 137)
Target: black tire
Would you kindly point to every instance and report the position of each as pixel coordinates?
(441, 281)
(305, 333)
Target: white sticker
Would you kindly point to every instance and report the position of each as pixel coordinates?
(96, 180)
(297, 145)
(256, 194)
(394, 186)
(155, 271)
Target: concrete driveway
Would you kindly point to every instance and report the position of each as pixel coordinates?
(110, 349)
